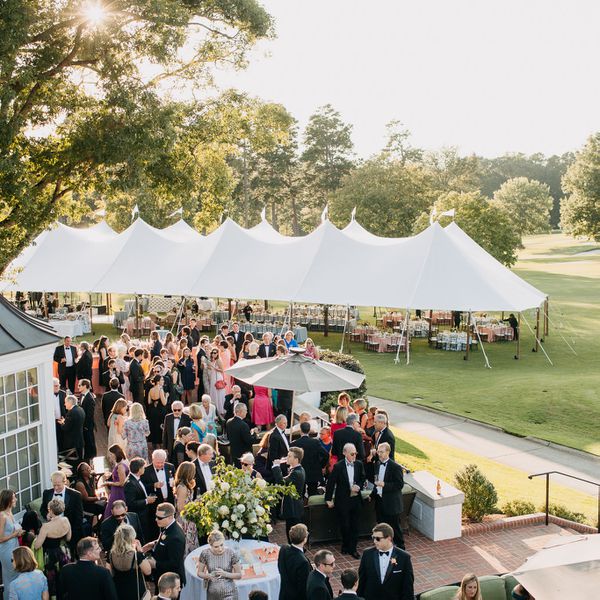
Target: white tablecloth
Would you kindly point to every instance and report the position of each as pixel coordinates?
(64, 328)
(194, 588)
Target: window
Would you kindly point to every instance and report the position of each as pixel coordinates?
(20, 436)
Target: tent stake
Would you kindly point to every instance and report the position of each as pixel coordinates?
(466, 357)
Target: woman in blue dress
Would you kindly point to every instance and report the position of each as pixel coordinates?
(9, 534)
(30, 583)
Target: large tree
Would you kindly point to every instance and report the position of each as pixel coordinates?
(580, 210)
(486, 222)
(528, 202)
(388, 195)
(84, 100)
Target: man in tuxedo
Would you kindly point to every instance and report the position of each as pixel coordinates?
(348, 435)
(292, 510)
(168, 550)
(169, 587)
(232, 399)
(314, 460)
(60, 411)
(137, 498)
(317, 584)
(112, 373)
(85, 580)
(383, 434)
(158, 479)
(267, 348)
(194, 333)
(387, 492)
(173, 421)
(293, 566)
(385, 572)
(65, 356)
(71, 426)
(118, 517)
(349, 581)
(278, 442)
(238, 338)
(240, 436)
(347, 480)
(88, 403)
(72, 501)
(136, 376)
(110, 397)
(205, 466)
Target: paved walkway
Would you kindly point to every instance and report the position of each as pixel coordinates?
(525, 454)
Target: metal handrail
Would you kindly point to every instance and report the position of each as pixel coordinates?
(547, 475)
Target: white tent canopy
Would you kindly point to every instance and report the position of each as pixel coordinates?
(438, 268)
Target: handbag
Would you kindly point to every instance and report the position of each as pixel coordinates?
(220, 385)
(146, 595)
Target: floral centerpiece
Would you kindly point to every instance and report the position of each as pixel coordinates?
(236, 504)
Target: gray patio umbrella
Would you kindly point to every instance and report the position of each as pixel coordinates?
(297, 373)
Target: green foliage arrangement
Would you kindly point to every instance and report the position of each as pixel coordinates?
(347, 361)
(480, 493)
(561, 511)
(236, 504)
(516, 508)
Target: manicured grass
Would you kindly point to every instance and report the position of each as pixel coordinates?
(419, 453)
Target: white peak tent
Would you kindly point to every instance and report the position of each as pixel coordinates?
(438, 268)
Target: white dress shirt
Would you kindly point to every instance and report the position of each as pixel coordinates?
(380, 476)
(68, 357)
(282, 432)
(162, 477)
(350, 471)
(205, 469)
(384, 562)
(57, 414)
(176, 421)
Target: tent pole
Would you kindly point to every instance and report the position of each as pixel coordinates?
(46, 304)
(397, 359)
(487, 362)
(266, 305)
(137, 315)
(430, 325)
(228, 310)
(345, 326)
(466, 357)
(537, 330)
(546, 318)
(518, 354)
(91, 314)
(408, 336)
(538, 341)
(291, 314)
(326, 320)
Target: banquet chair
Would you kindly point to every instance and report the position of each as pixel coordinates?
(371, 343)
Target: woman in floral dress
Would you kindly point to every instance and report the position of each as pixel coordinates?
(184, 493)
(136, 431)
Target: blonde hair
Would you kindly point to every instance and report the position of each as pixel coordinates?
(124, 539)
(215, 536)
(195, 411)
(341, 414)
(56, 507)
(136, 412)
(461, 594)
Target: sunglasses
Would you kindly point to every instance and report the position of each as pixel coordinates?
(175, 410)
(247, 465)
(120, 517)
(159, 518)
(329, 564)
(377, 538)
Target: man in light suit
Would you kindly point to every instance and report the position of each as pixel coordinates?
(385, 572)
(66, 357)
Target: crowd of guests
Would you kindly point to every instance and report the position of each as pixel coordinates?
(169, 408)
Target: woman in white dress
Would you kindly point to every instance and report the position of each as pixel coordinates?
(116, 424)
(209, 414)
(216, 380)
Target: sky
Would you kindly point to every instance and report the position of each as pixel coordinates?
(488, 77)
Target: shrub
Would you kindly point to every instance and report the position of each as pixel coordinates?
(516, 508)
(561, 511)
(346, 361)
(480, 493)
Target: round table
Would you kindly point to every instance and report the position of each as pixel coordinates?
(67, 327)
(194, 588)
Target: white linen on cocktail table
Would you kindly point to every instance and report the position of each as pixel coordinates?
(67, 327)
(194, 588)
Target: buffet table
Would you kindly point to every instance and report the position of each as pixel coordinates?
(268, 582)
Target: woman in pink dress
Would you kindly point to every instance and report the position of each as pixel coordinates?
(226, 361)
(262, 407)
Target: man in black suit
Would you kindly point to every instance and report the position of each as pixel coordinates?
(240, 436)
(60, 411)
(383, 434)
(387, 492)
(194, 332)
(85, 580)
(137, 498)
(136, 376)
(72, 501)
(278, 442)
(385, 572)
(237, 395)
(292, 510)
(72, 426)
(205, 466)
(349, 581)
(173, 421)
(88, 403)
(317, 584)
(348, 435)
(238, 338)
(110, 397)
(267, 348)
(169, 587)
(119, 516)
(66, 357)
(112, 373)
(158, 478)
(293, 566)
(347, 480)
(168, 550)
(314, 460)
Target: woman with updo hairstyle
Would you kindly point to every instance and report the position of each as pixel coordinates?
(219, 566)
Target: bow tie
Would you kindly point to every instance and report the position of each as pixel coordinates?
(384, 553)
(384, 463)
(351, 465)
